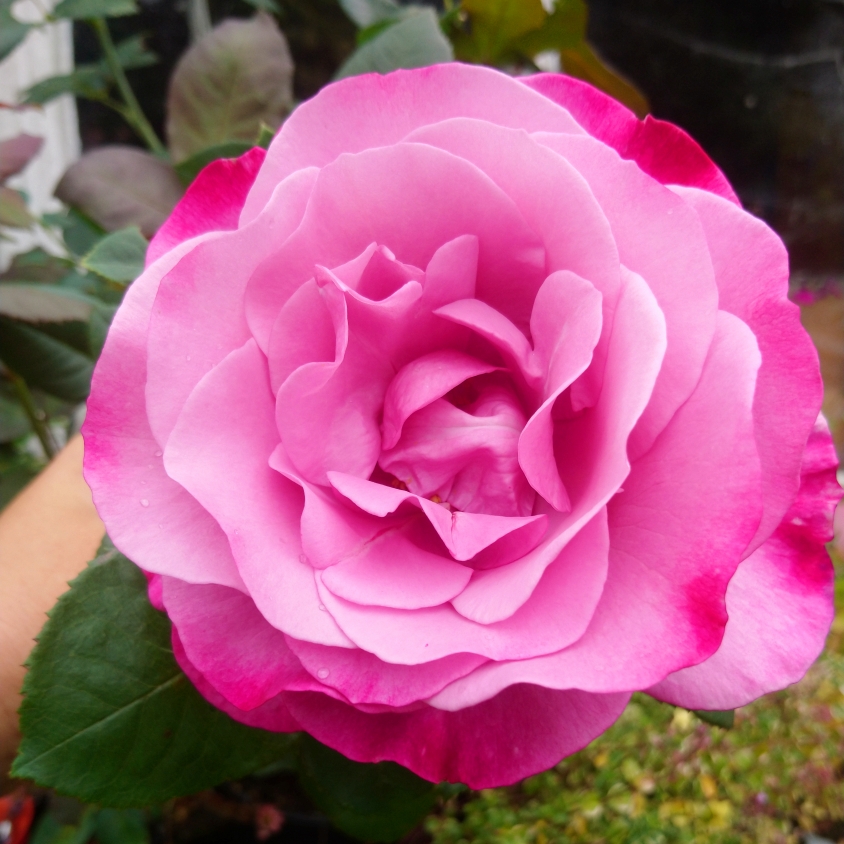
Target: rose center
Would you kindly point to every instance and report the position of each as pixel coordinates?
(462, 451)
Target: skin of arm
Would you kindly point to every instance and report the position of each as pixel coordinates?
(47, 535)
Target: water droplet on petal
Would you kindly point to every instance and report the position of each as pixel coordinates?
(322, 607)
(187, 357)
(323, 673)
(303, 558)
(159, 453)
(144, 502)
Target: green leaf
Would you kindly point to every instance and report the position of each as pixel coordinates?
(188, 169)
(265, 6)
(82, 9)
(564, 28)
(265, 136)
(495, 25)
(365, 13)
(36, 265)
(724, 718)
(12, 31)
(235, 78)
(109, 717)
(13, 210)
(119, 186)
(415, 41)
(13, 421)
(133, 53)
(89, 81)
(45, 362)
(32, 302)
(80, 233)
(121, 826)
(379, 802)
(98, 326)
(118, 256)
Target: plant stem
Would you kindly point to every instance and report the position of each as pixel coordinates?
(42, 431)
(134, 115)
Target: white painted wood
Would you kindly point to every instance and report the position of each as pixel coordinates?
(47, 51)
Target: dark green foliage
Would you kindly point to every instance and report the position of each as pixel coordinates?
(379, 802)
(109, 717)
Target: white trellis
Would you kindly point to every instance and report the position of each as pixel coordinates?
(47, 51)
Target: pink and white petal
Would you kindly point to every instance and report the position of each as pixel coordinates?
(524, 730)
(558, 611)
(369, 111)
(751, 269)
(780, 601)
(677, 534)
(392, 571)
(422, 381)
(213, 202)
(670, 253)
(150, 518)
(272, 715)
(220, 451)
(663, 150)
(385, 196)
(590, 450)
(566, 324)
(364, 679)
(234, 647)
(198, 318)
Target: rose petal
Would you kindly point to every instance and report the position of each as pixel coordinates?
(524, 730)
(558, 611)
(664, 151)
(272, 715)
(420, 382)
(678, 531)
(779, 602)
(234, 647)
(364, 112)
(385, 196)
(364, 679)
(150, 518)
(751, 269)
(670, 252)
(204, 292)
(213, 202)
(219, 451)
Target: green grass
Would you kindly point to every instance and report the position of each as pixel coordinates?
(660, 776)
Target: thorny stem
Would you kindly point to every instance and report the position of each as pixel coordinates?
(33, 414)
(133, 114)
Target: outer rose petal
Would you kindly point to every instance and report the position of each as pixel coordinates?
(670, 252)
(240, 654)
(751, 269)
(779, 602)
(662, 150)
(150, 518)
(206, 289)
(368, 111)
(213, 202)
(220, 451)
(272, 715)
(524, 730)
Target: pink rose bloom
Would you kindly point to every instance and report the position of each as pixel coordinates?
(472, 407)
